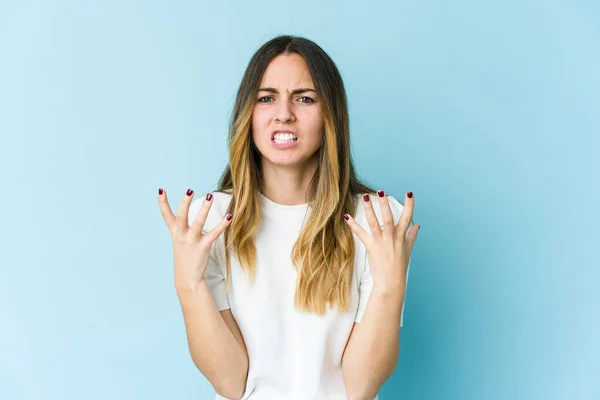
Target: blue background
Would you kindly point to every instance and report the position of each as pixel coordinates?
(487, 111)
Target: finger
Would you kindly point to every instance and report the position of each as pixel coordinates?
(362, 234)
(200, 219)
(181, 218)
(218, 230)
(371, 217)
(165, 209)
(411, 237)
(386, 214)
(407, 214)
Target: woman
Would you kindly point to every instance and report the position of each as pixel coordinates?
(297, 307)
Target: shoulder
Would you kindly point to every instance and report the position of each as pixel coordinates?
(361, 217)
(218, 209)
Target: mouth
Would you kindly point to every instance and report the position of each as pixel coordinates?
(284, 140)
(284, 133)
(284, 137)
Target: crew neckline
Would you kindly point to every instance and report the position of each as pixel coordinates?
(270, 204)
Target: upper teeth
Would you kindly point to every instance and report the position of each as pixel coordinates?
(284, 136)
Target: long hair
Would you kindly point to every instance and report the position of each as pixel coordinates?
(323, 255)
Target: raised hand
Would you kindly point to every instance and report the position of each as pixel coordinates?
(191, 247)
(388, 249)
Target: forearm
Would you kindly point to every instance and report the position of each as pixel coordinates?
(372, 351)
(213, 347)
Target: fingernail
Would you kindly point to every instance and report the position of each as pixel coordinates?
(208, 196)
(380, 193)
(346, 217)
(409, 194)
(229, 216)
(189, 192)
(365, 197)
(160, 191)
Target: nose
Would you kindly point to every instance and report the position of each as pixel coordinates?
(284, 113)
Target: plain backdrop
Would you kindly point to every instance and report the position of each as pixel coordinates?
(487, 110)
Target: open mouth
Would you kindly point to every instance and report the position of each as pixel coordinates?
(282, 139)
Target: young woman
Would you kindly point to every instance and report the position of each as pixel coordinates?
(292, 275)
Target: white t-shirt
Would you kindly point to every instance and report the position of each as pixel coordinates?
(292, 355)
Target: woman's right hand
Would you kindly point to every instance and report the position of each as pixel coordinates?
(191, 247)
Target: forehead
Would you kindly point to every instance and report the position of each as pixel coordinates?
(287, 71)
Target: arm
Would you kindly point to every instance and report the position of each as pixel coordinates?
(215, 341)
(371, 353)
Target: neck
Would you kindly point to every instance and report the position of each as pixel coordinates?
(287, 185)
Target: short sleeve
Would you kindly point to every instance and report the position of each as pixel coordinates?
(214, 275)
(366, 281)
(216, 283)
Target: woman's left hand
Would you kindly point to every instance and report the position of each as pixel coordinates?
(388, 249)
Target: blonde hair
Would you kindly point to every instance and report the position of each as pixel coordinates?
(323, 255)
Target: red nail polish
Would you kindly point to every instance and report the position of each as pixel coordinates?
(346, 217)
(409, 194)
(189, 192)
(229, 216)
(209, 196)
(160, 191)
(380, 193)
(365, 197)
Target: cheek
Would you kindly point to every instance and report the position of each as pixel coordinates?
(260, 121)
(318, 127)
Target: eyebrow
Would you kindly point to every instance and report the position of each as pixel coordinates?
(295, 91)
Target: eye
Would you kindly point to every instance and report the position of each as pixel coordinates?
(310, 100)
(262, 98)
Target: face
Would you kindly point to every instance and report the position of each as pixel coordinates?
(287, 101)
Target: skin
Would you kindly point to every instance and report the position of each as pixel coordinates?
(287, 172)
(371, 354)
(373, 347)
